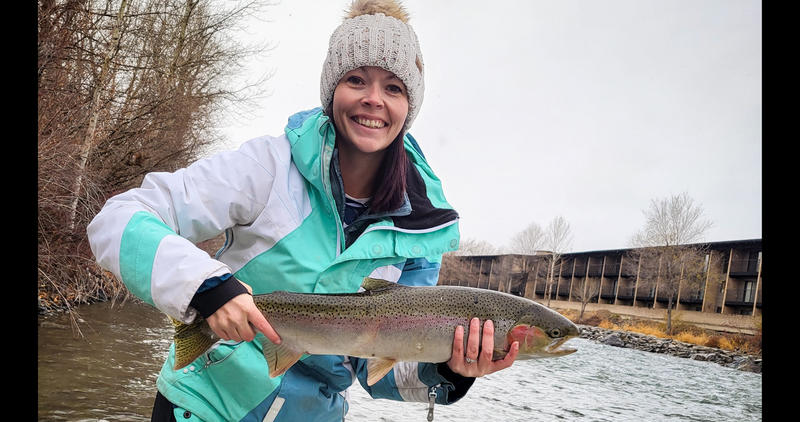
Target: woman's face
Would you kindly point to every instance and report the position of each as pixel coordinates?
(370, 105)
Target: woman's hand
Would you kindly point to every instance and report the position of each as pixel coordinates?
(477, 360)
(239, 319)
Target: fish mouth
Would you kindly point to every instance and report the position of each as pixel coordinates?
(555, 349)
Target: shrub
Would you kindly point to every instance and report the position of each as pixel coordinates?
(648, 328)
(608, 325)
(689, 337)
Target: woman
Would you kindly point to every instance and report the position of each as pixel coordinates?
(343, 193)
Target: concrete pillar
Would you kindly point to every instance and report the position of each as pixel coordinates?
(727, 277)
(636, 284)
(708, 274)
(619, 278)
(758, 285)
(602, 276)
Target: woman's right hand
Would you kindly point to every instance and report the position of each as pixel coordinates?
(239, 319)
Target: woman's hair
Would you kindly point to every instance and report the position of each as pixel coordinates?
(390, 186)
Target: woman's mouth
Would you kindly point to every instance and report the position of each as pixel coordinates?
(370, 123)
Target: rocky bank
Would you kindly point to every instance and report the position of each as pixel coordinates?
(616, 338)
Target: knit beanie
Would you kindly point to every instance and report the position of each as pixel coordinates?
(375, 33)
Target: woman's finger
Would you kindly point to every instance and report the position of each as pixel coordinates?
(260, 323)
(510, 357)
(473, 341)
(457, 356)
(487, 346)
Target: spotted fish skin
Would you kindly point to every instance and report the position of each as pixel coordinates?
(391, 322)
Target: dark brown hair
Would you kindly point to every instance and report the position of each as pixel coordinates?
(391, 183)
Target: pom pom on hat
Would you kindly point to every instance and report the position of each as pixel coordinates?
(371, 7)
(375, 33)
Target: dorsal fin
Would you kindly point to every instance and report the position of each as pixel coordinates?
(376, 284)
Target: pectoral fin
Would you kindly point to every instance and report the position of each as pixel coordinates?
(279, 357)
(377, 368)
(191, 341)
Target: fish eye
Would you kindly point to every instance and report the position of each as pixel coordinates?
(555, 332)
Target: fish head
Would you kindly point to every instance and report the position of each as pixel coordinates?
(542, 333)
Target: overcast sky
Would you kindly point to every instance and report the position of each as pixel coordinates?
(576, 108)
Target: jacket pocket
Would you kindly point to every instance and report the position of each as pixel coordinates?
(221, 352)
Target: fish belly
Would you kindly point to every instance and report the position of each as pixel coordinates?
(388, 339)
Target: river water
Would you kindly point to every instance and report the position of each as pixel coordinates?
(109, 375)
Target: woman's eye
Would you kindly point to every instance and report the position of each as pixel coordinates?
(394, 89)
(355, 80)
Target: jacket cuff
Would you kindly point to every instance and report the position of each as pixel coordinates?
(460, 383)
(208, 301)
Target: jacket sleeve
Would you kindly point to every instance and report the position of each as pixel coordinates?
(412, 381)
(146, 236)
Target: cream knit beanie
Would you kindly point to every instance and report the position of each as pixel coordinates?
(375, 33)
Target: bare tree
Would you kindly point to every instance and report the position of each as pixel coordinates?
(675, 220)
(125, 87)
(585, 291)
(666, 248)
(528, 241)
(472, 246)
(557, 241)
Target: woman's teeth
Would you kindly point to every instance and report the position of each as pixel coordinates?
(370, 123)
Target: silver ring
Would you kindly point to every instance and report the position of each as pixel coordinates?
(469, 360)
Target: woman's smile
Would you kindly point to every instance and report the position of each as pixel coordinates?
(370, 123)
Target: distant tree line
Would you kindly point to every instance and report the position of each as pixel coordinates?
(666, 252)
(125, 87)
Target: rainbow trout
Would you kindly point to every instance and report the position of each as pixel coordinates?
(390, 322)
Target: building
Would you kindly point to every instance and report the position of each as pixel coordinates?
(728, 280)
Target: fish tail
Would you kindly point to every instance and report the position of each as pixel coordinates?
(191, 341)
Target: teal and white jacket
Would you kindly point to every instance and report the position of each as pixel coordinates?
(279, 204)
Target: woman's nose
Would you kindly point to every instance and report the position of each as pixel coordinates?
(372, 96)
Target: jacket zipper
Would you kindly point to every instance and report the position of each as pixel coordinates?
(325, 175)
(431, 401)
(226, 245)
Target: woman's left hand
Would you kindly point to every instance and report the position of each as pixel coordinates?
(477, 360)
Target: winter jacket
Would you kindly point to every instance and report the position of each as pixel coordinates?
(279, 203)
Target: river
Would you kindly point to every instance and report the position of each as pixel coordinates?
(109, 375)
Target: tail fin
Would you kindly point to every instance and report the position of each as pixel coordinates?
(191, 341)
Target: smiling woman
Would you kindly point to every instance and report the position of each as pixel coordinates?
(343, 194)
(370, 106)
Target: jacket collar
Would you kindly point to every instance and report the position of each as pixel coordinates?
(312, 138)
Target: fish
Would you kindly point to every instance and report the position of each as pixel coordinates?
(387, 323)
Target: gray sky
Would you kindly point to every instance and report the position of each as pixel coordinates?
(579, 108)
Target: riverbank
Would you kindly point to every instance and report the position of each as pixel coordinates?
(646, 343)
(733, 350)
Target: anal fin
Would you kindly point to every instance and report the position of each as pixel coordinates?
(279, 357)
(377, 368)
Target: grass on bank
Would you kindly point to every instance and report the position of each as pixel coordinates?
(681, 331)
